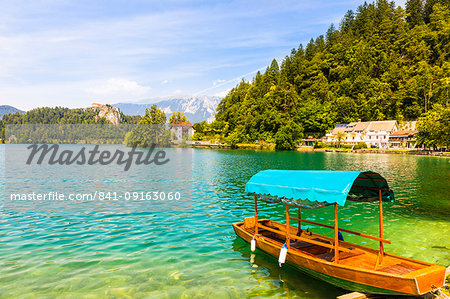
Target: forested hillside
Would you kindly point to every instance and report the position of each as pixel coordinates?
(382, 62)
(59, 115)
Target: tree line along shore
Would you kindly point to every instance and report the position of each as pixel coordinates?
(383, 62)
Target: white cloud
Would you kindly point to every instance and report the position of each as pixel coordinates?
(119, 87)
(216, 82)
(63, 52)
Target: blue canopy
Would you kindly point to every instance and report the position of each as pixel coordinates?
(317, 188)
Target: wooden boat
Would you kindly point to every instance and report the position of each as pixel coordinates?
(343, 264)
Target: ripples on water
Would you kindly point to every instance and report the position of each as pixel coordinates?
(127, 249)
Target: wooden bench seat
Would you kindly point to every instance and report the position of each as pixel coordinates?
(329, 256)
(400, 268)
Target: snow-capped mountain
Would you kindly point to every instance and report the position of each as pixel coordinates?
(196, 108)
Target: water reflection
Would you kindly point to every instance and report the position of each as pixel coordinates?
(286, 281)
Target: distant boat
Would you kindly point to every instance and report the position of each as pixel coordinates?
(343, 264)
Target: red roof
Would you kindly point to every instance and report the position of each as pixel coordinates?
(182, 124)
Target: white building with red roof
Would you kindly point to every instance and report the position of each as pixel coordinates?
(372, 133)
(182, 130)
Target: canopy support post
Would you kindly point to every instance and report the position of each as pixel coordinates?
(336, 235)
(288, 242)
(381, 226)
(256, 216)
(299, 231)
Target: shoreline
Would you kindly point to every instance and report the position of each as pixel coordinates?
(328, 150)
(379, 151)
(257, 147)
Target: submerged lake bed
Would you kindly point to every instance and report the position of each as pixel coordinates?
(130, 249)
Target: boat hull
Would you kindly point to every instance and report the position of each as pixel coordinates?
(351, 278)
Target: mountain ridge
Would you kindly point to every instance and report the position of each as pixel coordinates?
(196, 108)
(7, 109)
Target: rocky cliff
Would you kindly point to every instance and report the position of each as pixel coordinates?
(110, 113)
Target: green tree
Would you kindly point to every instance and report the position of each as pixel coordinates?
(340, 137)
(288, 136)
(414, 12)
(151, 130)
(434, 127)
(178, 117)
(154, 116)
(234, 138)
(200, 127)
(381, 63)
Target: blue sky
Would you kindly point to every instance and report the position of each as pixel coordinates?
(73, 53)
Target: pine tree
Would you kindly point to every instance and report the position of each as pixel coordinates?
(414, 12)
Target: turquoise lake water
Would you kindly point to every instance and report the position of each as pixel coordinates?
(127, 249)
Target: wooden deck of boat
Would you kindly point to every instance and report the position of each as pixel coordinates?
(359, 268)
(359, 256)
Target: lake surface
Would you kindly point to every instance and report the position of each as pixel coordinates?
(131, 249)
